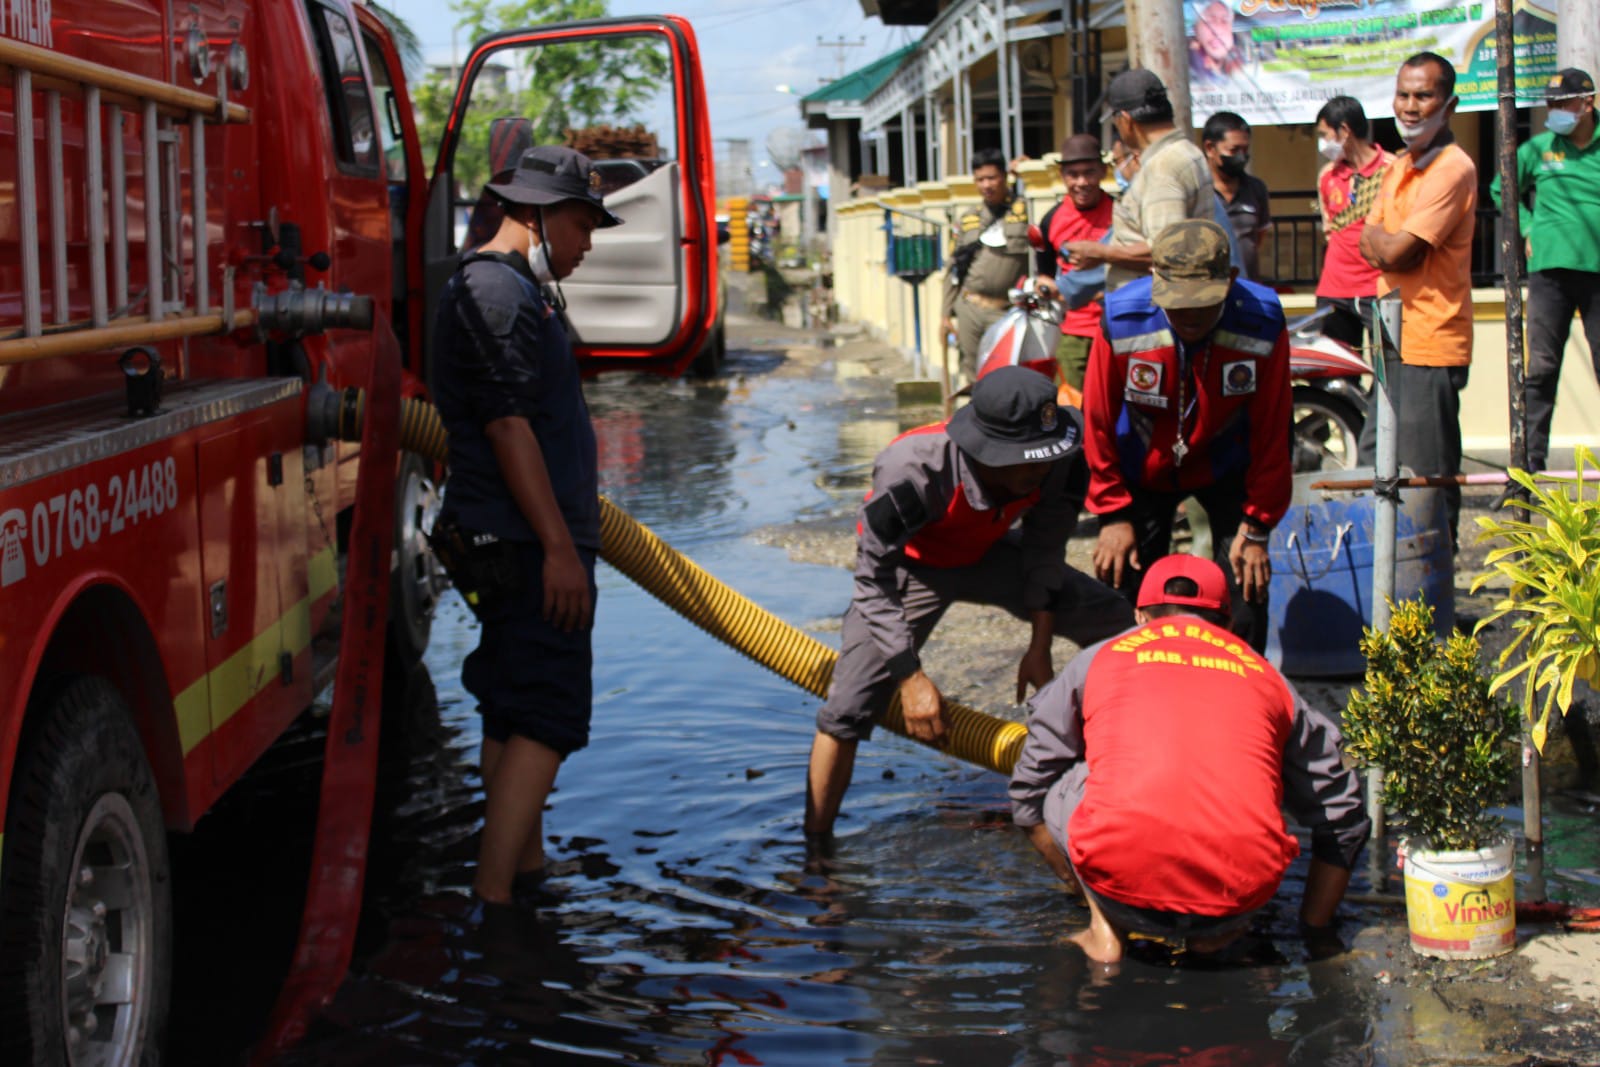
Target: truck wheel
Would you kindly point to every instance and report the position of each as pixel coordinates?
(85, 906)
(708, 364)
(418, 578)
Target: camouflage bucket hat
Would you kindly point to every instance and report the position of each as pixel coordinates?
(1190, 265)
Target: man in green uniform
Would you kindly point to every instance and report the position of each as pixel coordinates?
(1560, 169)
(991, 255)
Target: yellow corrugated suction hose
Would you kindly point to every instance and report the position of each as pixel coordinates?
(734, 619)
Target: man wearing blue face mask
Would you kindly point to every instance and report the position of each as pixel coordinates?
(1419, 236)
(1560, 170)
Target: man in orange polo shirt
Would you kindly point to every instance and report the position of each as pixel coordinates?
(1419, 236)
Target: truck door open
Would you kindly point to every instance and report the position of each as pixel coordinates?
(646, 295)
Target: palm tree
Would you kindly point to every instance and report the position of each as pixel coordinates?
(405, 39)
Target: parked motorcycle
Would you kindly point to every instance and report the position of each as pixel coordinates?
(1332, 394)
(1025, 335)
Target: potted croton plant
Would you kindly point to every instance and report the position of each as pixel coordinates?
(1445, 744)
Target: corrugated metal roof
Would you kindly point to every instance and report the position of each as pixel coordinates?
(862, 82)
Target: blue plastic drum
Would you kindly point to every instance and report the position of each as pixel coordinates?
(1321, 590)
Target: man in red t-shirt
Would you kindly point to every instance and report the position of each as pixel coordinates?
(1346, 190)
(1156, 769)
(1084, 214)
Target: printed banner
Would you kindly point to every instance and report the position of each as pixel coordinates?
(1276, 62)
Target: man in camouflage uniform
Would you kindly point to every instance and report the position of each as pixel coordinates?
(991, 255)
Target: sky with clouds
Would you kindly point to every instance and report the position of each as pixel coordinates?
(747, 49)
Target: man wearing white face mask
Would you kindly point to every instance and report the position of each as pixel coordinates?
(1347, 187)
(1560, 169)
(522, 509)
(1419, 235)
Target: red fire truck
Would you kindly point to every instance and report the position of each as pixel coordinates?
(213, 214)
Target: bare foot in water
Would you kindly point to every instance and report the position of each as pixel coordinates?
(1101, 941)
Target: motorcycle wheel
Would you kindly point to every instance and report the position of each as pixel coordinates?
(1327, 431)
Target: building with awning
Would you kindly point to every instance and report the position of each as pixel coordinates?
(1017, 75)
(1020, 75)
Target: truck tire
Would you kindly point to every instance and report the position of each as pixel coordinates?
(85, 904)
(418, 578)
(708, 364)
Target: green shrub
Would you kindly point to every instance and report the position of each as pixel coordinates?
(1429, 719)
(1553, 566)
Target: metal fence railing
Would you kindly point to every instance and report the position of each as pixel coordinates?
(1292, 254)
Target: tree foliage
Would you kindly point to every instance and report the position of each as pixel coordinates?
(555, 87)
(406, 41)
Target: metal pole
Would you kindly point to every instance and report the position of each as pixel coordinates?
(919, 368)
(1511, 267)
(94, 164)
(1002, 79)
(1016, 101)
(27, 201)
(1386, 468)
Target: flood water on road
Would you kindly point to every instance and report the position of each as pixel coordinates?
(685, 923)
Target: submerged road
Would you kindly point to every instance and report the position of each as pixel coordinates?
(684, 921)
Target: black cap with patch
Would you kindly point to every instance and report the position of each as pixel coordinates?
(1568, 83)
(1013, 418)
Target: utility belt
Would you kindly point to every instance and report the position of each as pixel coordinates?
(993, 303)
(485, 569)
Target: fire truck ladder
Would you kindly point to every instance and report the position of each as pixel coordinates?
(107, 95)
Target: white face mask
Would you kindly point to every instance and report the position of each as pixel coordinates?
(1332, 151)
(1424, 131)
(539, 259)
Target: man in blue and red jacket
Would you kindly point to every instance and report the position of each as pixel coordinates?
(1188, 394)
(938, 528)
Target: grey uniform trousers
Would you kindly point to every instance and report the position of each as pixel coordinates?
(1086, 611)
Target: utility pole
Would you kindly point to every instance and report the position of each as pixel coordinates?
(838, 45)
(1511, 265)
(1578, 35)
(1155, 32)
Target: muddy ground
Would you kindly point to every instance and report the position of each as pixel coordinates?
(1539, 1005)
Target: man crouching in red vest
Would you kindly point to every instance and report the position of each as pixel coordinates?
(1188, 393)
(935, 529)
(1157, 767)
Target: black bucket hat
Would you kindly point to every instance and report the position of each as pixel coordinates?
(550, 174)
(1013, 418)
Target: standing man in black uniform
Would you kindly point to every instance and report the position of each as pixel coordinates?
(523, 499)
(991, 256)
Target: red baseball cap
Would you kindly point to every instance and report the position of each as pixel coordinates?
(1211, 583)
